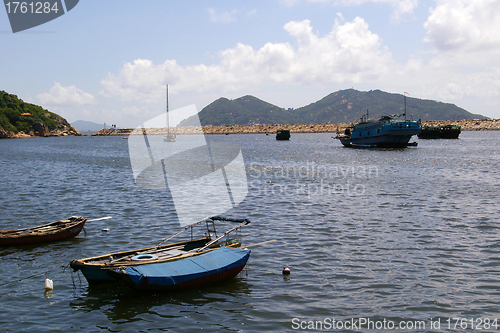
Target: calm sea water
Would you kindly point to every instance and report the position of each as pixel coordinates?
(388, 238)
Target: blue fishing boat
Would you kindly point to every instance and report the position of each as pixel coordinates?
(96, 269)
(202, 268)
(385, 132)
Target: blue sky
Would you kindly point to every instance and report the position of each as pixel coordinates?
(108, 61)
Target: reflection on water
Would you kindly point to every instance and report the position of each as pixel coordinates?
(407, 234)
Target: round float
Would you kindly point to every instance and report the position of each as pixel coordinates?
(143, 257)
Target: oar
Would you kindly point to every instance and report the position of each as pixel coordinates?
(101, 218)
(269, 241)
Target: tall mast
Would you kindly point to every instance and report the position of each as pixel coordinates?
(168, 124)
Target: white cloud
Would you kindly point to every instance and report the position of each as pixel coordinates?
(70, 95)
(468, 26)
(135, 111)
(222, 17)
(459, 86)
(140, 80)
(349, 53)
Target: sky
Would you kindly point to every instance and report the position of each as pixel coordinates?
(109, 61)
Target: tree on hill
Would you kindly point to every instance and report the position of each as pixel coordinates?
(18, 116)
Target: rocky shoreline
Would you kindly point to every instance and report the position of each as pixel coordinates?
(467, 125)
(40, 133)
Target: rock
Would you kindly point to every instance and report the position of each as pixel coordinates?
(41, 129)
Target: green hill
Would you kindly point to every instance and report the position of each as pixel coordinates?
(339, 107)
(246, 110)
(349, 105)
(17, 116)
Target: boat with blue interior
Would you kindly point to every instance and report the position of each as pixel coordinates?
(160, 261)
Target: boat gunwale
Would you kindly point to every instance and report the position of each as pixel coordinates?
(87, 262)
(37, 231)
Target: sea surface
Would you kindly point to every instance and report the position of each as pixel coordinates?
(399, 239)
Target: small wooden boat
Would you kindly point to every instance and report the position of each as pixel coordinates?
(96, 269)
(207, 267)
(54, 231)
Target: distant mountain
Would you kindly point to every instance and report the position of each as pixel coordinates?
(246, 110)
(87, 126)
(19, 119)
(339, 107)
(349, 105)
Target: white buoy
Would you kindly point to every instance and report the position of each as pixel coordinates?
(49, 284)
(105, 229)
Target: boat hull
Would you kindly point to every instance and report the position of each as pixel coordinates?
(214, 266)
(430, 132)
(383, 133)
(450, 132)
(392, 139)
(95, 269)
(440, 132)
(47, 233)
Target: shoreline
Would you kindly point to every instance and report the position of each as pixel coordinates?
(8, 134)
(466, 125)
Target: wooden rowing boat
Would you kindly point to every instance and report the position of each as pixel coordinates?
(214, 265)
(97, 269)
(59, 230)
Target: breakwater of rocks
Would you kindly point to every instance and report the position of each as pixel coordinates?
(467, 125)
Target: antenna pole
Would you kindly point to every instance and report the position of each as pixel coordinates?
(405, 104)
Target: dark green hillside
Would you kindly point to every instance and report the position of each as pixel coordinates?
(17, 116)
(349, 105)
(246, 110)
(343, 106)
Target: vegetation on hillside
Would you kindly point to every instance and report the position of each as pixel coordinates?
(344, 106)
(19, 116)
(246, 110)
(349, 105)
